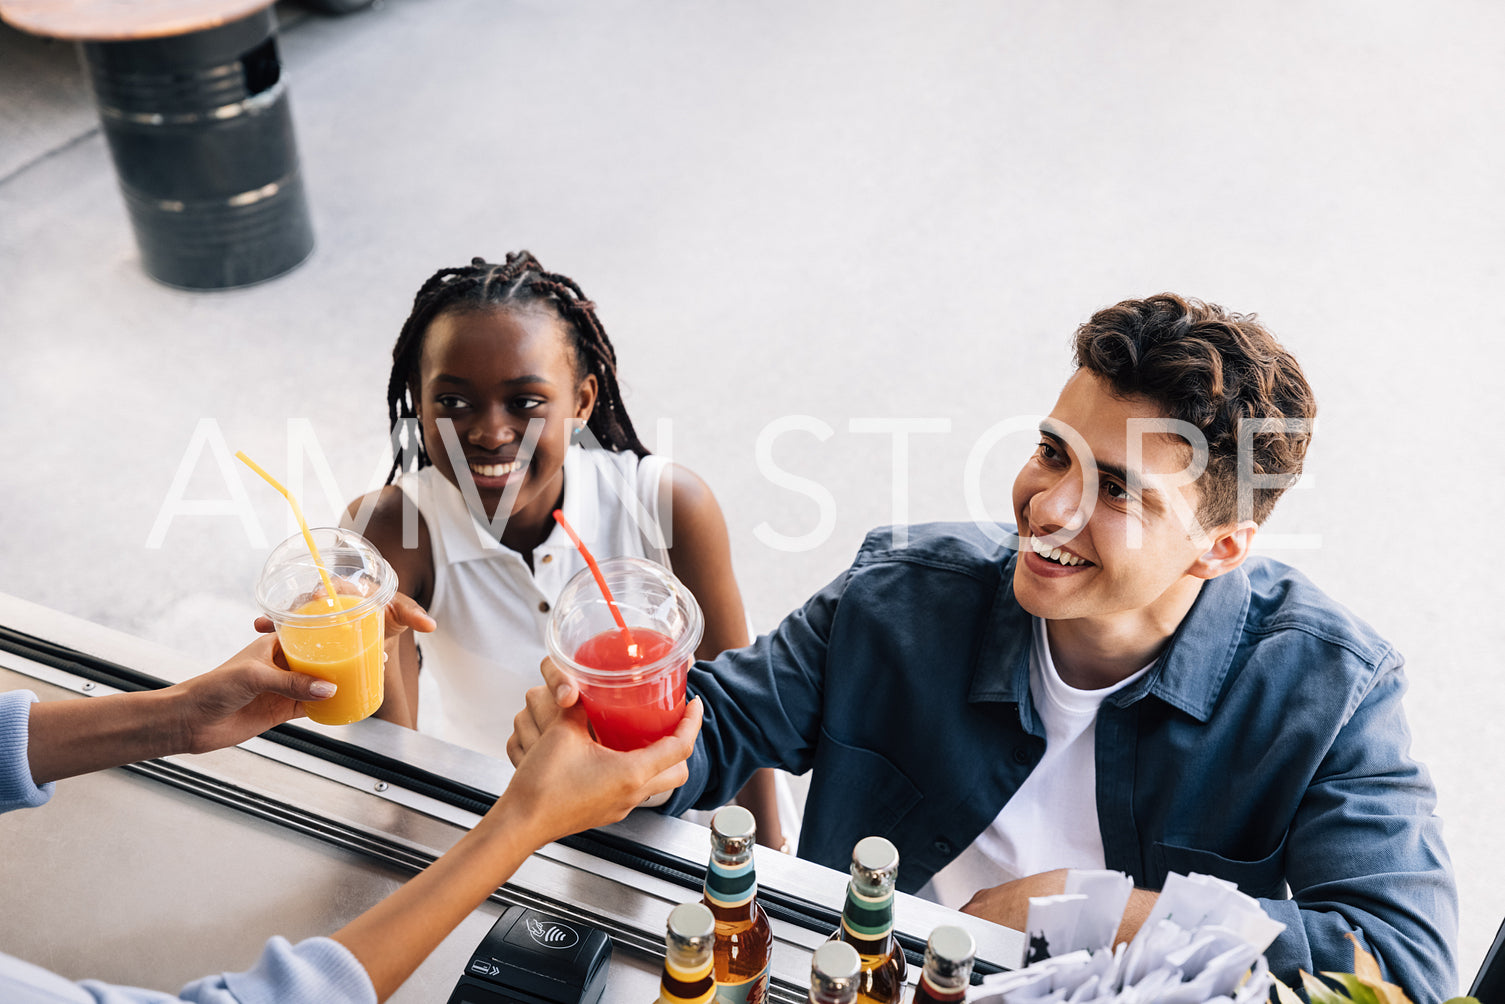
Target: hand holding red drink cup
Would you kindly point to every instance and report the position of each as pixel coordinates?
(621, 638)
(631, 679)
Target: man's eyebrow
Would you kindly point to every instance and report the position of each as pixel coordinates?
(1149, 495)
(1047, 429)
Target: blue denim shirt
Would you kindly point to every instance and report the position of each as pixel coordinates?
(1266, 746)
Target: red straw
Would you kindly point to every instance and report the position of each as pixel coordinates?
(600, 579)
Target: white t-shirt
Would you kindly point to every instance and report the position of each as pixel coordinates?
(1051, 822)
(491, 608)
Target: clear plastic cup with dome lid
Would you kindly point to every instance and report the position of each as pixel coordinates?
(336, 638)
(631, 673)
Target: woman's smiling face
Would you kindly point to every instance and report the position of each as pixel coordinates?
(492, 371)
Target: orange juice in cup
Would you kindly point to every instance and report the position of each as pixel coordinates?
(337, 638)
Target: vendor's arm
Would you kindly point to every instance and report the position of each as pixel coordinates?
(374, 954)
(1365, 854)
(247, 695)
(315, 969)
(411, 555)
(603, 785)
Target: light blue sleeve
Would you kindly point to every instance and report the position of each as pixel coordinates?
(316, 971)
(16, 788)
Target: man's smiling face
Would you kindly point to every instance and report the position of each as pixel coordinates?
(1130, 548)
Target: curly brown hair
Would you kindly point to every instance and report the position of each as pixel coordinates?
(1213, 369)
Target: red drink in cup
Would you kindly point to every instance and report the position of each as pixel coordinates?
(632, 682)
(633, 715)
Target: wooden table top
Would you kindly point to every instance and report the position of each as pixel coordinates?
(123, 20)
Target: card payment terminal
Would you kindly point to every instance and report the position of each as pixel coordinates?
(532, 958)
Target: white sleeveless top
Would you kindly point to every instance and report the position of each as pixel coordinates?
(491, 609)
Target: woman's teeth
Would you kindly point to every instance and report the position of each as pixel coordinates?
(1055, 554)
(495, 470)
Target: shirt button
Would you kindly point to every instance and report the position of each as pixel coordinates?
(1021, 755)
(546, 558)
(942, 847)
(543, 606)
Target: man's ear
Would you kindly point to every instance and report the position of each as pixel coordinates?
(1230, 546)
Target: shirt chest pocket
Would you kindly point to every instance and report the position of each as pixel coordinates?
(860, 792)
(1264, 878)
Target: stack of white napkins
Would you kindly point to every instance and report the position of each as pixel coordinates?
(1203, 943)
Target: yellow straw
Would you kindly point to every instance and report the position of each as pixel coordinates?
(302, 523)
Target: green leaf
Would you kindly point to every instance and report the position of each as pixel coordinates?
(1388, 993)
(1357, 991)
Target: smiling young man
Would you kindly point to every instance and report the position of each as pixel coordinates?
(1118, 683)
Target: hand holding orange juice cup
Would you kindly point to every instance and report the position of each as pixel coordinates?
(625, 631)
(328, 604)
(341, 641)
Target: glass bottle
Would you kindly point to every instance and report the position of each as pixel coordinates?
(867, 921)
(833, 974)
(688, 977)
(948, 966)
(744, 938)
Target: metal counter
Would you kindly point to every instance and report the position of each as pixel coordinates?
(158, 873)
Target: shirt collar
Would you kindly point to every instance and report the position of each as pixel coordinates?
(1189, 674)
(1001, 669)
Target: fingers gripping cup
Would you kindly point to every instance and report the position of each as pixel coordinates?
(632, 681)
(341, 641)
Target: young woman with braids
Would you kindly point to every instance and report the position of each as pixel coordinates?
(499, 370)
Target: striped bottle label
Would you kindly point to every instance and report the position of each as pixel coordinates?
(730, 885)
(687, 986)
(928, 992)
(753, 991)
(868, 917)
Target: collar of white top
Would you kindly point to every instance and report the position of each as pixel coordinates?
(1064, 695)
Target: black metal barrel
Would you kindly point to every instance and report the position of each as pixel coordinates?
(202, 138)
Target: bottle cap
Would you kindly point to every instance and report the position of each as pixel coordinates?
(693, 925)
(690, 945)
(835, 966)
(949, 955)
(875, 863)
(733, 830)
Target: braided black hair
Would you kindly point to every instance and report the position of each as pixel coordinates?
(521, 280)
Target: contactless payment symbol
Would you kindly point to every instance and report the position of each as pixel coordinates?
(552, 934)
